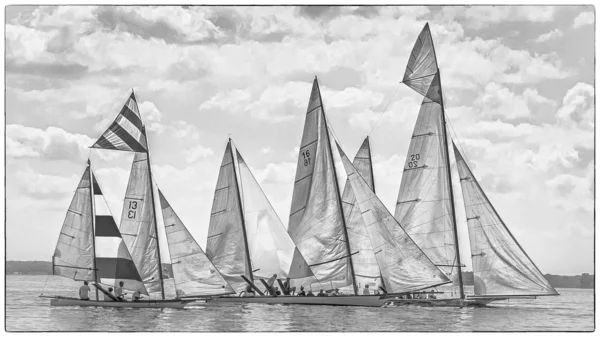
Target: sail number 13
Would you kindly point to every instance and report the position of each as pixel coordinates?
(132, 209)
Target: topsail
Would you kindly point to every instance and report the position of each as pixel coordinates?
(316, 218)
(500, 265)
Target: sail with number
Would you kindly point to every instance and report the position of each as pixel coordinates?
(316, 222)
(137, 223)
(365, 263)
(404, 267)
(272, 251)
(500, 265)
(194, 274)
(424, 206)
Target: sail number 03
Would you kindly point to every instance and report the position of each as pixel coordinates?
(414, 159)
(306, 157)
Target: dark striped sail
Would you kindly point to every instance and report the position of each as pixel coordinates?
(126, 133)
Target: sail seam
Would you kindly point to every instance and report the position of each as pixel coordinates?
(314, 141)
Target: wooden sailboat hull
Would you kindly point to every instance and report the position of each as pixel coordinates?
(342, 300)
(444, 302)
(67, 301)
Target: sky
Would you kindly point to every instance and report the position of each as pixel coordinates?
(518, 85)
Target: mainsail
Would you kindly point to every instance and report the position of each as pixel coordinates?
(193, 272)
(74, 254)
(316, 221)
(424, 207)
(500, 265)
(365, 263)
(226, 242)
(137, 223)
(403, 265)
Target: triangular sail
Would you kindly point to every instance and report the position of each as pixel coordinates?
(113, 260)
(226, 245)
(422, 64)
(193, 272)
(272, 251)
(403, 265)
(500, 265)
(316, 223)
(126, 133)
(137, 223)
(365, 263)
(74, 255)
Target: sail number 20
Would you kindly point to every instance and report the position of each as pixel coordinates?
(414, 159)
(306, 157)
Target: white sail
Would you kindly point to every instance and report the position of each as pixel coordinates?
(365, 263)
(193, 273)
(500, 265)
(404, 267)
(74, 256)
(226, 244)
(137, 223)
(272, 251)
(422, 65)
(316, 223)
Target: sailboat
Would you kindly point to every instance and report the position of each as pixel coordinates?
(91, 248)
(425, 205)
(194, 274)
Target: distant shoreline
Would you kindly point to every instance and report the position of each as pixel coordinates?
(584, 281)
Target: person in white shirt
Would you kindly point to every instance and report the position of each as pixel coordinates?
(119, 292)
(366, 290)
(84, 291)
(136, 296)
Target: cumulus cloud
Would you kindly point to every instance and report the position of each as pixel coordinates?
(500, 101)
(578, 106)
(552, 35)
(50, 144)
(585, 18)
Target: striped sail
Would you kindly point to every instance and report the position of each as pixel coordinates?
(365, 263)
(272, 251)
(137, 223)
(316, 218)
(113, 261)
(193, 272)
(126, 133)
(500, 266)
(226, 246)
(74, 255)
(403, 265)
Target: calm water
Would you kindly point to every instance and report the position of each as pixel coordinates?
(572, 311)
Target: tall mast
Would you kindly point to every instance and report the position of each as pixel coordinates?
(92, 197)
(160, 272)
(337, 189)
(460, 280)
(248, 262)
(373, 181)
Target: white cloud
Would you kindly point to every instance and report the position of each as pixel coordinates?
(551, 35)
(578, 106)
(483, 16)
(151, 116)
(500, 101)
(50, 144)
(196, 153)
(585, 18)
(574, 192)
(44, 186)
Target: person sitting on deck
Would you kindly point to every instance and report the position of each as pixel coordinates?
(335, 292)
(286, 287)
(136, 296)
(276, 291)
(271, 280)
(431, 296)
(321, 293)
(119, 292)
(366, 290)
(106, 297)
(302, 292)
(249, 292)
(83, 291)
(310, 293)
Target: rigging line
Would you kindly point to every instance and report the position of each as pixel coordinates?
(385, 109)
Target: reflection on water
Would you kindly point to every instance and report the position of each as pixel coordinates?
(572, 311)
